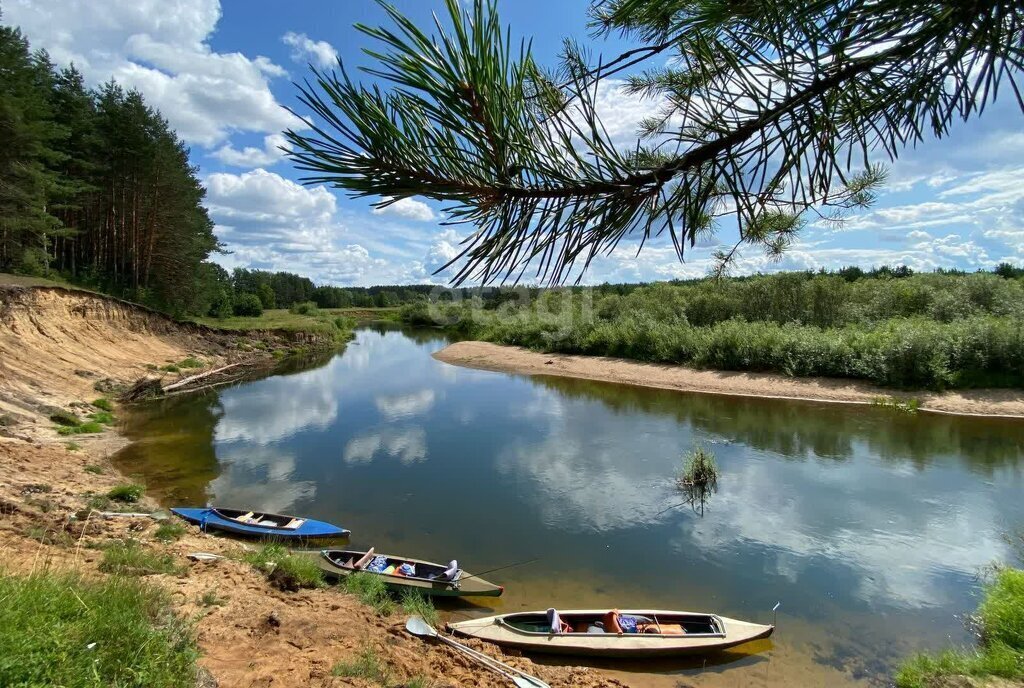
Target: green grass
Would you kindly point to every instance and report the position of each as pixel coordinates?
(104, 404)
(169, 531)
(699, 470)
(910, 406)
(92, 468)
(210, 598)
(366, 665)
(1001, 652)
(415, 604)
(170, 368)
(132, 559)
(77, 633)
(102, 417)
(75, 446)
(322, 322)
(191, 362)
(86, 428)
(126, 493)
(284, 570)
(371, 590)
(65, 418)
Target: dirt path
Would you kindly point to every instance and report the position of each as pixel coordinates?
(512, 359)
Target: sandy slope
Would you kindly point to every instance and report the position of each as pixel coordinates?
(487, 356)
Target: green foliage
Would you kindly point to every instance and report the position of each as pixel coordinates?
(170, 368)
(169, 531)
(64, 630)
(65, 418)
(126, 493)
(104, 404)
(909, 406)
(367, 665)
(285, 571)
(416, 604)
(248, 306)
(191, 362)
(102, 417)
(792, 96)
(699, 470)
(1001, 621)
(304, 308)
(132, 559)
(75, 446)
(893, 331)
(210, 598)
(371, 590)
(93, 468)
(90, 427)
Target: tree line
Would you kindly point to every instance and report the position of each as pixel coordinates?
(95, 186)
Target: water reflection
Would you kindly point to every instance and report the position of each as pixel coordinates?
(869, 524)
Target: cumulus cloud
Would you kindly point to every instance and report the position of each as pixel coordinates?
(409, 208)
(162, 49)
(250, 156)
(305, 49)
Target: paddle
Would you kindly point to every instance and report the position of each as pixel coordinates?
(421, 628)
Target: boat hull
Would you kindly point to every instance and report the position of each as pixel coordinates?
(466, 586)
(209, 519)
(627, 645)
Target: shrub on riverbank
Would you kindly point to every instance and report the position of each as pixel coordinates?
(1001, 652)
(285, 571)
(927, 331)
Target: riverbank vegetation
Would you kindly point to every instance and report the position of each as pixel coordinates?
(67, 630)
(1000, 626)
(939, 330)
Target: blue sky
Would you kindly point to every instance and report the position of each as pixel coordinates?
(221, 72)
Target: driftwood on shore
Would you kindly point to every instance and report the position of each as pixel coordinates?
(152, 387)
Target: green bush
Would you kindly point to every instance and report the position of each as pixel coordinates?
(126, 493)
(102, 417)
(89, 427)
(304, 308)
(63, 630)
(285, 571)
(65, 418)
(169, 531)
(248, 305)
(104, 404)
(366, 665)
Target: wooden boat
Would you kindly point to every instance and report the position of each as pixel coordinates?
(262, 525)
(682, 633)
(429, 577)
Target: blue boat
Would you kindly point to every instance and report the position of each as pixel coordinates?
(260, 525)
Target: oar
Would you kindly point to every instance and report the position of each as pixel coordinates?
(421, 628)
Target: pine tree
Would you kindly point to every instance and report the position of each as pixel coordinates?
(773, 108)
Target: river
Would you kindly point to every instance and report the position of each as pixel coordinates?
(869, 525)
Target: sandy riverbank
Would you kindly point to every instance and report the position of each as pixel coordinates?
(512, 359)
(59, 351)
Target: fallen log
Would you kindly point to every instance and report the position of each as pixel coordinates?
(193, 378)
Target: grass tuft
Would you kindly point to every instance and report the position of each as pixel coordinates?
(87, 428)
(65, 418)
(126, 493)
(699, 470)
(416, 604)
(191, 362)
(366, 665)
(102, 417)
(75, 446)
(64, 630)
(169, 531)
(210, 598)
(371, 590)
(132, 559)
(104, 404)
(1001, 653)
(285, 571)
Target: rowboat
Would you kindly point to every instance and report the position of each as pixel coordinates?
(261, 525)
(427, 577)
(661, 633)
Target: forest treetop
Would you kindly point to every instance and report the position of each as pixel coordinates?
(773, 109)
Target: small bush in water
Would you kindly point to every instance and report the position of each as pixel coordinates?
(699, 470)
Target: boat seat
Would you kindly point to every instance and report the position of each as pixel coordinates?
(294, 523)
(364, 560)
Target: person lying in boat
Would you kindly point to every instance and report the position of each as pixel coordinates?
(613, 622)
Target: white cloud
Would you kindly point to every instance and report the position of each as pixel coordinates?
(305, 49)
(162, 49)
(408, 445)
(409, 208)
(250, 156)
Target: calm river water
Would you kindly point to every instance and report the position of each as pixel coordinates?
(870, 526)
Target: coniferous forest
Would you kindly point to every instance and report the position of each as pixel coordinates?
(95, 186)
